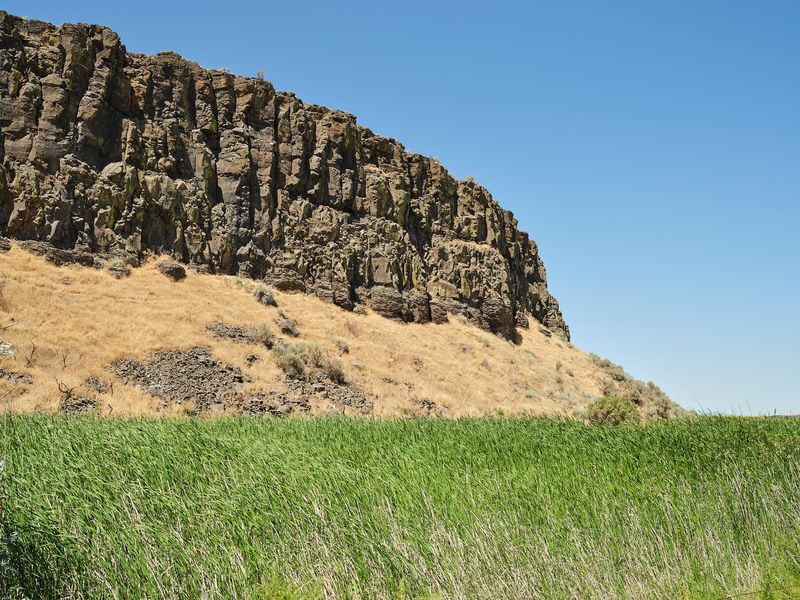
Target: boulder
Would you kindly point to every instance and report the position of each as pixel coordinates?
(498, 316)
(387, 302)
(171, 269)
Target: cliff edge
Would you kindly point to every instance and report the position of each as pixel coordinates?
(107, 151)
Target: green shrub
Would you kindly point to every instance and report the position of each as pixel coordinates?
(289, 358)
(308, 361)
(612, 410)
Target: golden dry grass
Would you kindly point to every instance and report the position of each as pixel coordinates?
(81, 319)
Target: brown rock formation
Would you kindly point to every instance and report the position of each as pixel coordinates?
(108, 151)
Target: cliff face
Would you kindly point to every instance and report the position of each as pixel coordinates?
(119, 153)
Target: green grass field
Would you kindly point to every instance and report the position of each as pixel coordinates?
(245, 508)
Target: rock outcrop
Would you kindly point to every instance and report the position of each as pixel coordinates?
(107, 151)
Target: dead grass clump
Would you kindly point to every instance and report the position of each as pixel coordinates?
(351, 328)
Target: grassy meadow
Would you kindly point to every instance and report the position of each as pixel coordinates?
(337, 507)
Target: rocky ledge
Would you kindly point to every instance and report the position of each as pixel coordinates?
(107, 151)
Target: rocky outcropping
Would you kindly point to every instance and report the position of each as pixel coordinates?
(108, 151)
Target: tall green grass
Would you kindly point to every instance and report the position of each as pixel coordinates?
(245, 508)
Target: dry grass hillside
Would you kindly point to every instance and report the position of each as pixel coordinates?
(69, 324)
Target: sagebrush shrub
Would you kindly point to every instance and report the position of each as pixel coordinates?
(289, 358)
(288, 327)
(612, 410)
(308, 361)
(265, 336)
(264, 295)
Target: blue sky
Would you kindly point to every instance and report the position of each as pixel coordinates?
(652, 149)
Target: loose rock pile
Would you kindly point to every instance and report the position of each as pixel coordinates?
(60, 256)
(428, 407)
(242, 334)
(77, 405)
(184, 376)
(192, 376)
(336, 396)
(234, 333)
(276, 404)
(16, 378)
(97, 385)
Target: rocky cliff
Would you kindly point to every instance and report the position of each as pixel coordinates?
(111, 152)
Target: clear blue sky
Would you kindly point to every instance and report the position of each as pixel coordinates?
(652, 149)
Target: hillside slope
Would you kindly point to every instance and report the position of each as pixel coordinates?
(85, 341)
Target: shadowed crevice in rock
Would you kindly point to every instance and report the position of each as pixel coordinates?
(103, 151)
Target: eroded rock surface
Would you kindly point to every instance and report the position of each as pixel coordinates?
(103, 150)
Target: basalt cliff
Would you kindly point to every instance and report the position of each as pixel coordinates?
(120, 154)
